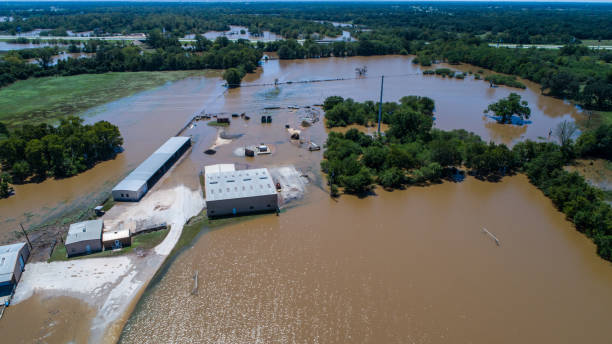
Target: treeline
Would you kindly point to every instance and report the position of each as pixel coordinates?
(176, 19)
(43, 150)
(382, 45)
(576, 74)
(511, 23)
(340, 112)
(123, 57)
(412, 153)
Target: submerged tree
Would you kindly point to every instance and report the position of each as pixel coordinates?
(505, 108)
(233, 77)
(565, 131)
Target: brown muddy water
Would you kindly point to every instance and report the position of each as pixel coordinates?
(147, 119)
(50, 320)
(400, 267)
(396, 267)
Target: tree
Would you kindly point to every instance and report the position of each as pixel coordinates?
(374, 157)
(357, 183)
(391, 178)
(505, 108)
(3, 130)
(36, 157)
(21, 170)
(5, 189)
(565, 131)
(233, 77)
(407, 125)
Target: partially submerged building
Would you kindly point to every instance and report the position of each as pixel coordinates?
(240, 192)
(115, 239)
(12, 263)
(139, 181)
(84, 237)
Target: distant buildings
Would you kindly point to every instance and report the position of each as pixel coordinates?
(12, 263)
(230, 192)
(137, 183)
(84, 237)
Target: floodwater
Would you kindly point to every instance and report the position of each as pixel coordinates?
(53, 320)
(6, 46)
(395, 267)
(147, 119)
(400, 267)
(236, 32)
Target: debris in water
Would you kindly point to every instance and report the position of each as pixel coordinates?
(484, 230)
(210, 151)
(313, 147)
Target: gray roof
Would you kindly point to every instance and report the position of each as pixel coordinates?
(8, 259)
(219, 168)
(86, 230)
(239, 184)
(135, 180)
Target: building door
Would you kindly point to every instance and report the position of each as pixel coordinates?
(117, 244)
(234, 211)
(21, 263)
(88, 249)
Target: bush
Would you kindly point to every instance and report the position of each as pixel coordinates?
(233, 77)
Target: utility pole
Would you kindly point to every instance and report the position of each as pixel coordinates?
(382, 81)
(26, 235)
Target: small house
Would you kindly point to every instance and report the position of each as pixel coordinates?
(84, 237)
(115, 239)
(12, 263)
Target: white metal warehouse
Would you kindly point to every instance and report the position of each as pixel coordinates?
(137, 183)
(240, 192)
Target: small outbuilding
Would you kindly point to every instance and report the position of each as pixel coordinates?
(84, 238)
(115, 239)
(12, 263)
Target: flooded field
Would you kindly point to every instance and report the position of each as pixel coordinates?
(6, 46)
(239, 32)
(148, 118)
(400, 267)
(405, 266)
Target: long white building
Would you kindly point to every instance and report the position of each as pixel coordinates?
(239, 192)
(137, 183)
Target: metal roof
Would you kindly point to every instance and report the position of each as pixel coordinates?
(219, 168)
(8, 259)
(239, 184)
(117, 234)
(137, 178)
(82, 231)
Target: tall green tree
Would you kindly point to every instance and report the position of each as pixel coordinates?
(505, 108)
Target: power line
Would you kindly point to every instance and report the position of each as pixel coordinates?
(324, 80)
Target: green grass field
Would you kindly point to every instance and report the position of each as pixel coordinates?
(47, 99)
